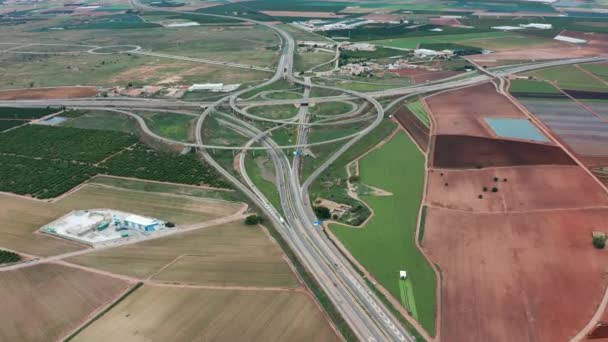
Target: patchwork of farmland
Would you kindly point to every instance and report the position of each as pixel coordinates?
(189, 314)
(227, 255)
(492, 206)
(77, 155)
(585, 132)
(48, 301)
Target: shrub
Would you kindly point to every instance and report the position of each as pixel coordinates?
(322, 212)
(599, 242)
(8, 257)
(252, 220)
(494, 189)
(353, 178)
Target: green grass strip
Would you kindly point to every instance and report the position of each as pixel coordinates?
(411, 299)
(403, 293)
(103, 312)
(417, 108)
(422, 225)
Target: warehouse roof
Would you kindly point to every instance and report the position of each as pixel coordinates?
(144, 221)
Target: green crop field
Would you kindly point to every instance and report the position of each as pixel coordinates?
(6, 124)
(534, 87)
(413, 42)
(391, 231)
(140, 161)
(171, 125)
(570, 77)
(331, 184)
(331, 108)
(100, 120)
(417, 108)
(261, 172)
(276, 112)
(39, 177)
(599, 69)
(25, 113)
(64, 143)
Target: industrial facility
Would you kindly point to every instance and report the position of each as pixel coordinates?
(103, 226)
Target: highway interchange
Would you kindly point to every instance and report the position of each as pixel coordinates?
(295, 221)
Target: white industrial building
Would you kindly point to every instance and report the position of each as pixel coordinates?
(102, 226)
(214, 87)
(569, 39)
(145, 224)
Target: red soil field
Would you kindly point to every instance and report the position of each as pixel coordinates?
(422, 75)
(445, 21)
(47, 93)
(462, 111)
(516, 277)
(434, 76)
(382, 17)
(525, 188)
(600, 332)
(462, 152)
(413, 126)
(597, 45)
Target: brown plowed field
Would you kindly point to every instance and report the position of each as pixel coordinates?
(525, 188)
(413, 126)
(460, 151)
(516, 277)
(47, 93)
(463, 111)
(45, 302)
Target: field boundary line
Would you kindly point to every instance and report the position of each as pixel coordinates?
(578, 66)
(164, 267)
(428, 158)
(531, 211)
(100, 312)
(92, 180)
(179, 285)
(597, 315)
(585, 107)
